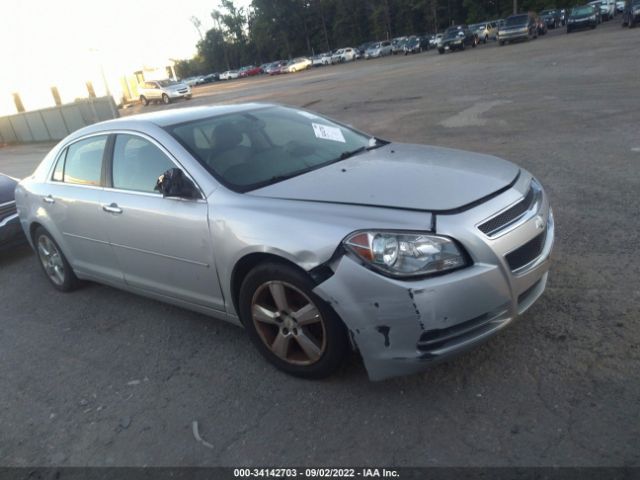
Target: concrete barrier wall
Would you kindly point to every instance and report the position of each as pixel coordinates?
(55, 123)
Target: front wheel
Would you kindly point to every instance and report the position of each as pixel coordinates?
(165, 99)
(53, 262)
(144, 100)
(441, 51)
(293, 328)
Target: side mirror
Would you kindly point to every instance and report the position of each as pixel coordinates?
(174, 183)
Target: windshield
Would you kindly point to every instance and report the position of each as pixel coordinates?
(547, 12)
(453, 33)
(582, 11)
(167, 83)
(252, 149)
(517, 20)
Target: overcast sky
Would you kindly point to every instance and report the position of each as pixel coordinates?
(46, 42)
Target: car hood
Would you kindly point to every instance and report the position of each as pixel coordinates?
(404, 176)
(7, 188)
(177, 86)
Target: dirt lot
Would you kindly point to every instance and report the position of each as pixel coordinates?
(102, 377)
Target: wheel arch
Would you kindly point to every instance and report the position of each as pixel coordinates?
(247, 263)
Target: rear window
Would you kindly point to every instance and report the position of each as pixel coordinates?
(81, 162)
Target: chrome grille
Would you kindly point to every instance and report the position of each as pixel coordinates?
(501, 221)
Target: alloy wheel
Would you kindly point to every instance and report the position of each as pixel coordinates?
(289, 323)
(51, 259)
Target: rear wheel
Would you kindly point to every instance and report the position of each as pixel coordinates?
(293, 328)
(53, 262)
(165, 99)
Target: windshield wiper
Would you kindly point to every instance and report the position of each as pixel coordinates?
(348, 154)
(379, 143)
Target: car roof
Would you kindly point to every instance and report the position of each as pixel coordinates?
(165, 118)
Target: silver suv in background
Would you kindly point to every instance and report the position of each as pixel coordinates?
(164, 90)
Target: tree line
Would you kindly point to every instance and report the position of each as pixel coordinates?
(269, 30)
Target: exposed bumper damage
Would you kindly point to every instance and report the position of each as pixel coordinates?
(400, 327)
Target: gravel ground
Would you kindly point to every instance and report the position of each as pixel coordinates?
(103, 377)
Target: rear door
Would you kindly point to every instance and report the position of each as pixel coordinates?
(73, 200)
(163, 244)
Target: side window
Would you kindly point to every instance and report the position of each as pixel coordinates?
(58, 172)
(83, 162)
(137, 164)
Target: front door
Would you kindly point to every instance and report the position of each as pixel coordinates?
(163, 245)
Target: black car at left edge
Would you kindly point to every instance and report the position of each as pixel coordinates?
(10, 229)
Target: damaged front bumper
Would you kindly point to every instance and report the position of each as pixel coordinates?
(402, 326)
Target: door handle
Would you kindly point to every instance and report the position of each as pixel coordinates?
(113, 208)
(48, 199)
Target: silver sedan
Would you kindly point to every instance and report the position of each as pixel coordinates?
(315, 237)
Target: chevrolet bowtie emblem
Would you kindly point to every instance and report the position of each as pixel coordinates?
(539, 222)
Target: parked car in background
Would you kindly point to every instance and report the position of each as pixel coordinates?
(457, 37)
(322, 59)
(397, 45)
(298, 64)
(518, 27)
(249, 71)
(542, 26)
(607, 10)
(563, 12)
(163, 90)
(551, 18)
(190, 81)
(212, 77)
(434, 41)
(362, 48)
(10, 231)
(276, 68)
(631, 13)
(620, 6)
(485, 31)
(282, 221)
(233, 74)
(344, 55)
(582, 17)
(416, 44)
(378, 49)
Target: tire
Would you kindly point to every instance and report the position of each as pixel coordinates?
(278, 292)
(165, 99)
(144, 100)
(441, 51)
(53, 262)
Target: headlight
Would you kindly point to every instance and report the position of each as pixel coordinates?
(592, 17)
(403, 254)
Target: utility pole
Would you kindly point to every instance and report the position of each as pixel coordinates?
(515, 7)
